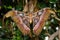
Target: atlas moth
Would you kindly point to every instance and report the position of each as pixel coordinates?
(23, 20)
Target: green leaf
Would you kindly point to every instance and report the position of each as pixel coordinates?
(52, 1)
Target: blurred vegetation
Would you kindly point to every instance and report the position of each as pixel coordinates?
(6, 5)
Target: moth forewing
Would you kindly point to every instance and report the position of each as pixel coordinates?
(43, 18)
(18, 20)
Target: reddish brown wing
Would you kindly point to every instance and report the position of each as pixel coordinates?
(39, 26)
(22, 27)
(18, 20)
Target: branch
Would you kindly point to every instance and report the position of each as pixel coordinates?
(53, 35)
(47, 34)
(54, 15)
(25, 9)
(59, 34)
(57, 18)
